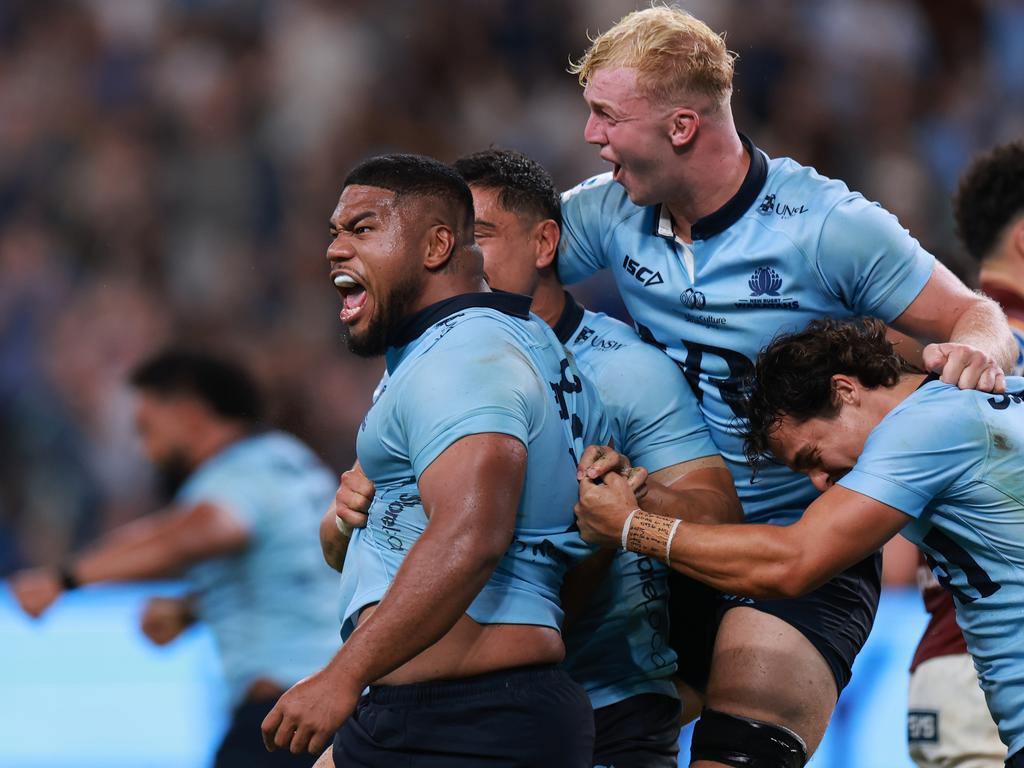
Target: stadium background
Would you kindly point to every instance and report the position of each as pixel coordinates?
(167, 168)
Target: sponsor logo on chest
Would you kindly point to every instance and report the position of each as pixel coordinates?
(765, 286)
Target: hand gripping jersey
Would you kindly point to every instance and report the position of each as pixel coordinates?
(791, 246)
(618, 647)
(271, 607)
(953, 460)
(473, 364)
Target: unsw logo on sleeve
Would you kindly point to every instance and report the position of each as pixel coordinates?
(765, 285)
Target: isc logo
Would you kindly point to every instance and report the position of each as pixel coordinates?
(641, 273)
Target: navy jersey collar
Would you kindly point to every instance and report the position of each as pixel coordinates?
(569, 320)
(720, 220)
(416, 325)
(929, 379)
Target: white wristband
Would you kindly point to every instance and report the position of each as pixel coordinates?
(668, 542)
(345, 528)
(625, 527)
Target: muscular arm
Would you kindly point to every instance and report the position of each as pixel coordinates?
(947, 311)
(163, 544)
(698, 491)
(838, 530)
(470, 493)
(152, 548)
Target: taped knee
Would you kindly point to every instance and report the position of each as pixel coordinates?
(745, 743)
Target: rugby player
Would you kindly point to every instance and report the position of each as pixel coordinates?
(947, 721)
(451, 608)
(715, 248)
(892, 450)
(617, 645)
(989, 210)
(238, 531)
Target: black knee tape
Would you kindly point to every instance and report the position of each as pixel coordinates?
(745, 743)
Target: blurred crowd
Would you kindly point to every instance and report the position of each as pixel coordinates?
(167, 168)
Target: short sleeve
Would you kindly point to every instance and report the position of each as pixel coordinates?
(227, 489)
(655, 412)
(869, 262)
(458, 393)
(915, 455)
(580, 251)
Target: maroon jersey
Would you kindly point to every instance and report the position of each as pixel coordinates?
(942, 636)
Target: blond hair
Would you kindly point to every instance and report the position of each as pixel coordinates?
(673, 52)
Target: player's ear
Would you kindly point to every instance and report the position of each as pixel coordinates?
(683, 129)
(845, 390)
(440, 247)
(546, 236)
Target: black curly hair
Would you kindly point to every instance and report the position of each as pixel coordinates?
(793, 375)
(523, 184)
(990, 196)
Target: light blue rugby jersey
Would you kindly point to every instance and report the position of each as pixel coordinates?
(618, 647)
(271, 607)
(790, 247)
(472, 364)
(954, 461)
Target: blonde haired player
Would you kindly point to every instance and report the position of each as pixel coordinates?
(715, 248)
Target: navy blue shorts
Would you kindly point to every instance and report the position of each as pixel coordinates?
(242, 746)
(639, 732)
(1016, 761)
(517, 718)
(836, 618)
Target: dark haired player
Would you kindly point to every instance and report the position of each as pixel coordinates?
(715, 248)
(989, 210)
(947, 720)
(617, 648)
(450, 594)
(238, 529)
(892, 450)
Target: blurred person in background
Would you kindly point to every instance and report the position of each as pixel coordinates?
(892, 450)
(241, 530)
(715, 248)
(948, 723)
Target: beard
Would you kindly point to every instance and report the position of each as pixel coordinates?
(392, 311)
(171, 474)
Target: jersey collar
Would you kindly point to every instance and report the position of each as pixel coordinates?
(416, 325)
(570, 319)
(720, 220)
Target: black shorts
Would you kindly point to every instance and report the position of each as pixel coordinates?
(639, 732)
(529, 716)
(836, 618)
(242, 746)
(1016, 760)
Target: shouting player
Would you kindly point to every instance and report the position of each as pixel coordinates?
(716, 248)
(893, 450)
(451, 611)
(238, 530)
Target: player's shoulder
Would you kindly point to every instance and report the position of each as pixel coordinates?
(936, 414)
(602, 342)
(476, 346)
(600, 198)
(796, 196)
